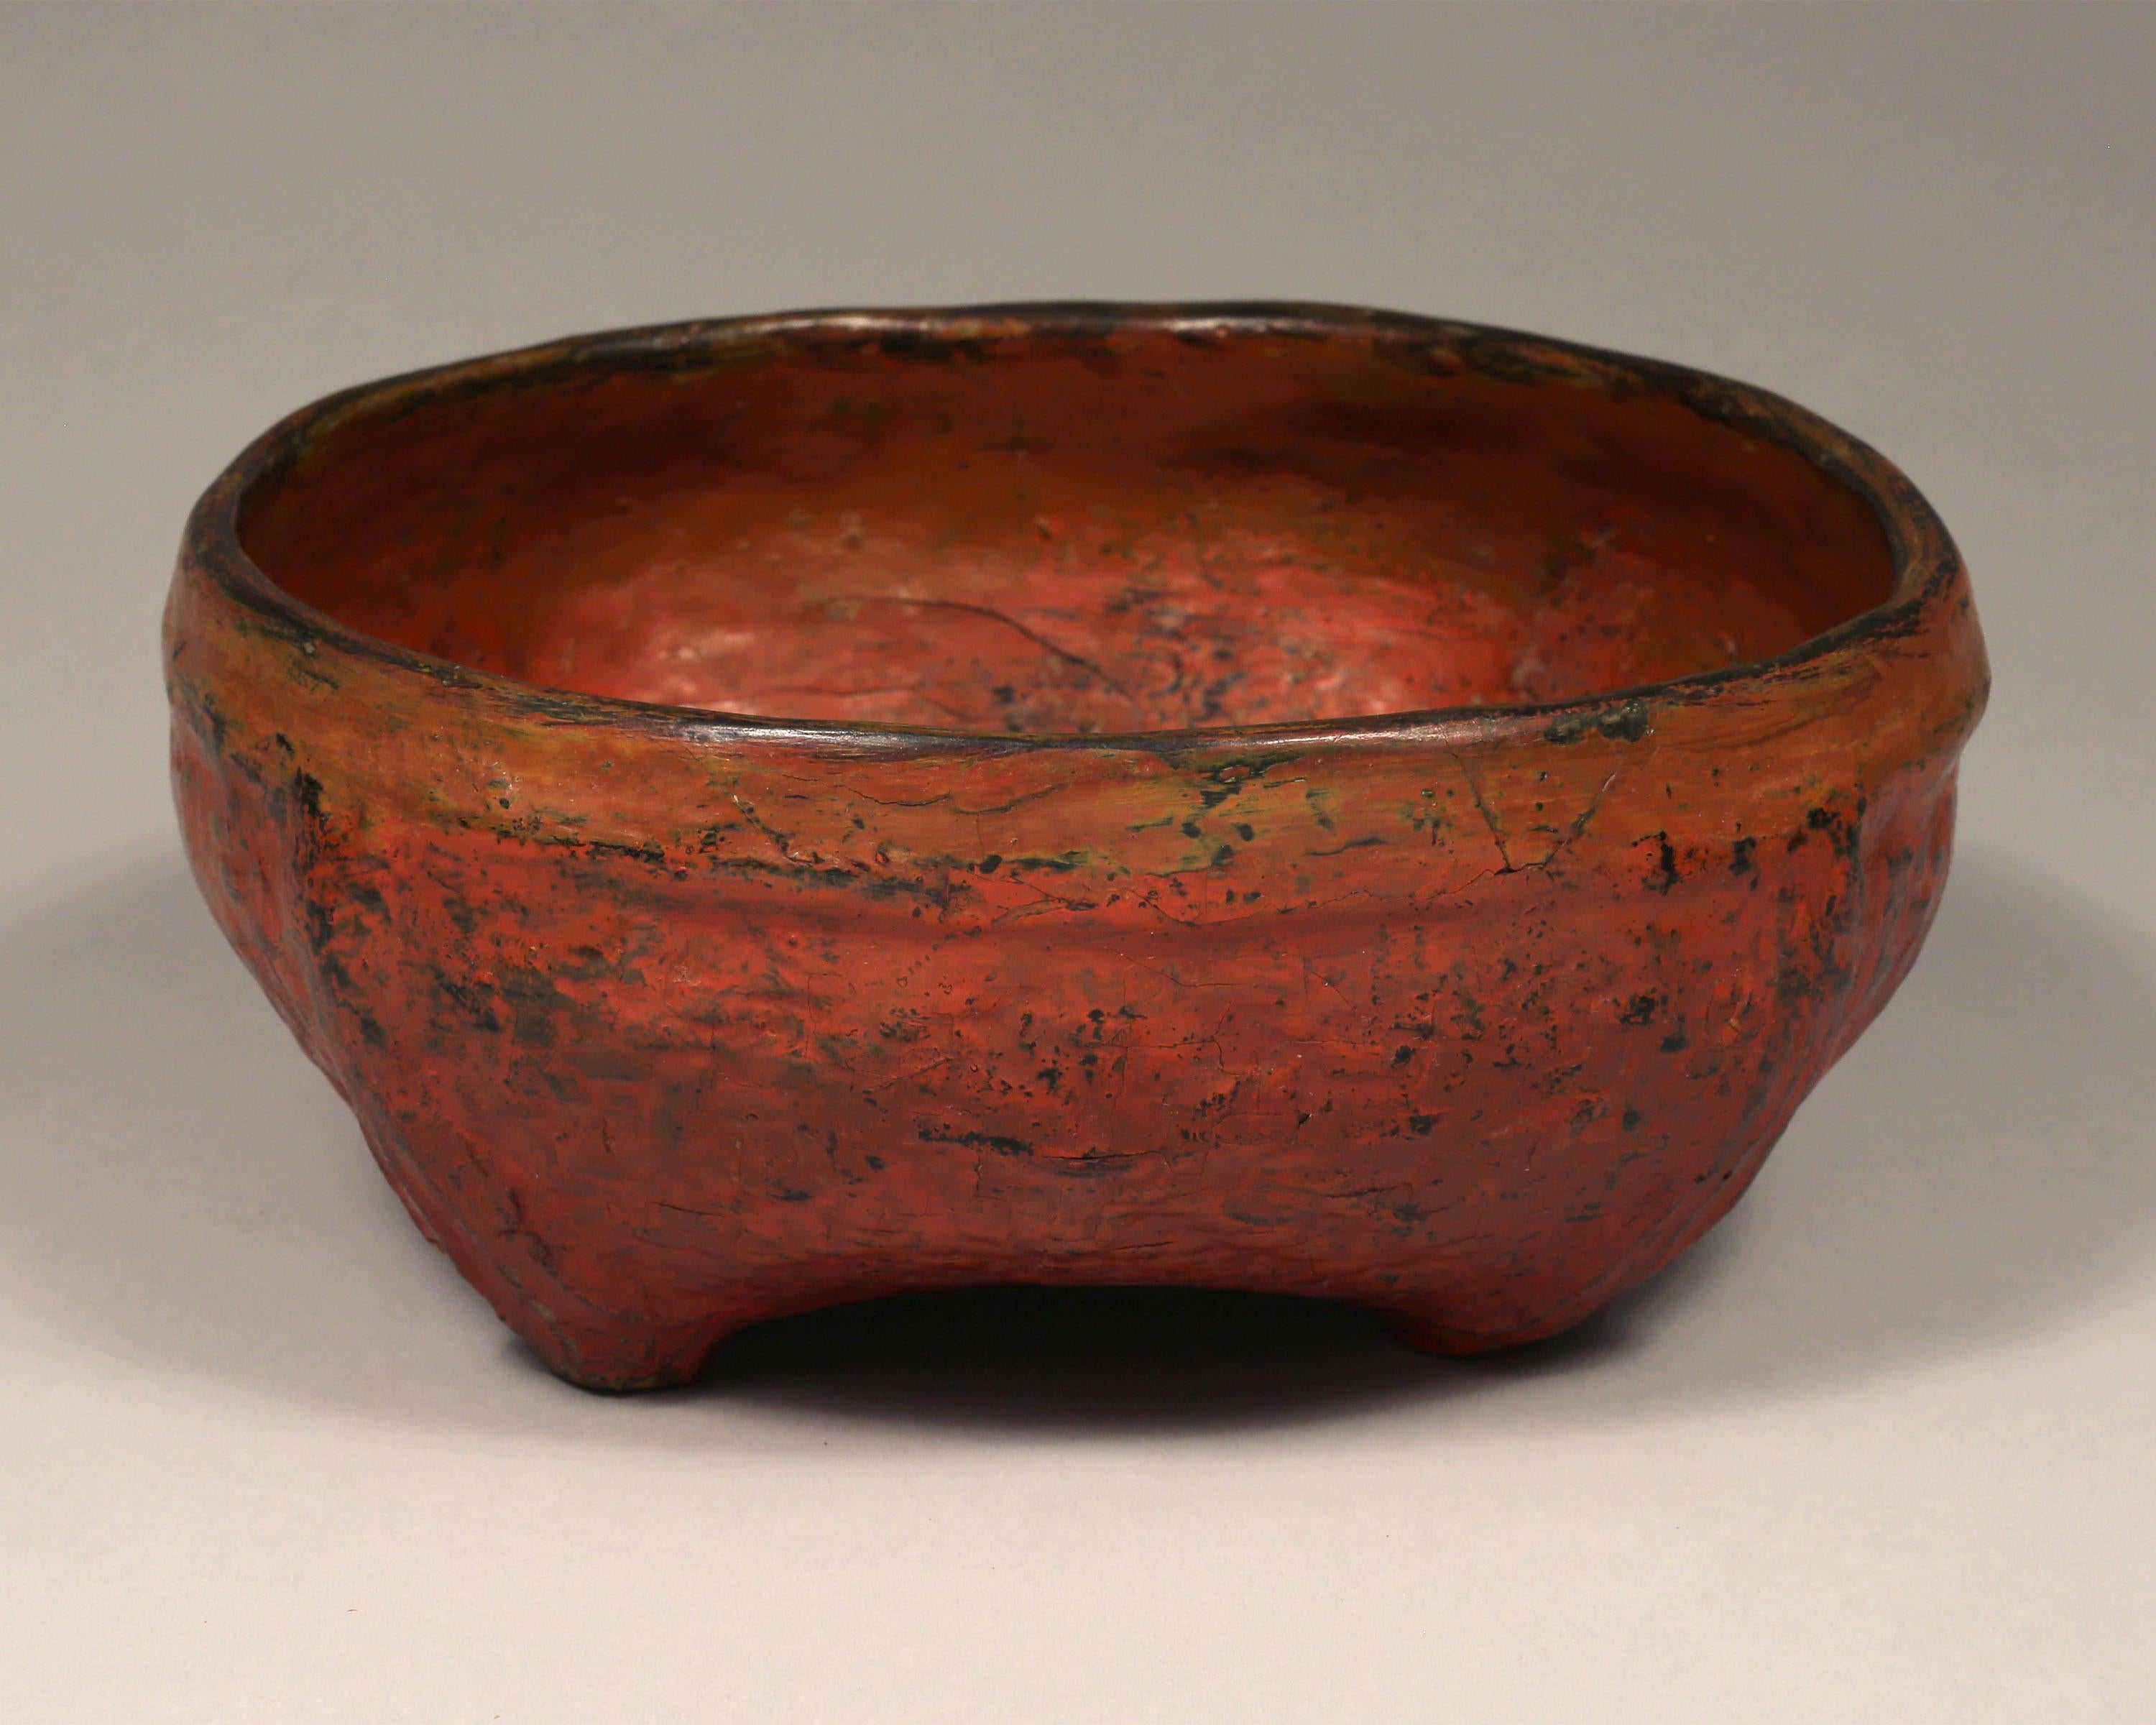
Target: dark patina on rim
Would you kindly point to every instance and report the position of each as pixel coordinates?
(1925, 565)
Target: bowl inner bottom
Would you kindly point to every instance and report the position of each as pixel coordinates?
(1157, 535)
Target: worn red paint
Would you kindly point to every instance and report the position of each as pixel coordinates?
(1411, 810)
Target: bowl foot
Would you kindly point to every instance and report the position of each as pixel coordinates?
(1438, 1332)
(622, 1359)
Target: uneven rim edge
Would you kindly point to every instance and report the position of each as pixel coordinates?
(1925, 561)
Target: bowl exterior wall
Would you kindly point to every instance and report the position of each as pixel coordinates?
(659, 1032)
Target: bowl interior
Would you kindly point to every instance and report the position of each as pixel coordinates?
(1050, 534)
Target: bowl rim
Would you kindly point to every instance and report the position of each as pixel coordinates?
(1925, 564)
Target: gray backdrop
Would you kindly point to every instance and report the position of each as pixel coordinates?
(1880, 1450)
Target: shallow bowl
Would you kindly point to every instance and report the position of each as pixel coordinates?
(761, 813)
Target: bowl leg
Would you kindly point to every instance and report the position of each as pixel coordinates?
(619, 1358)
(577, 1329)
(1453, 1328)
(1435, 1329)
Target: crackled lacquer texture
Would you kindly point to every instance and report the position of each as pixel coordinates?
(759, 814)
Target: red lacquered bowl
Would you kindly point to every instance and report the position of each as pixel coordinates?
(762, 813)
